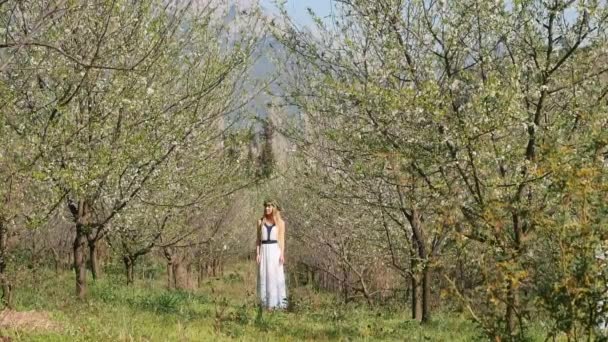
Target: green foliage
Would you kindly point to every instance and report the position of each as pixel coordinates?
(169, 302)
(233, 278)
(114, 311)
(115, 104)
(470, 130)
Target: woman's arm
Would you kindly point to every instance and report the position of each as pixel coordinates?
(258, 240)
(282, 236)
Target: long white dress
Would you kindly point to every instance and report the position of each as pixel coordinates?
(271, 276)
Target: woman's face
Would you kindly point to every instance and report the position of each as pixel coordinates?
(269, 208)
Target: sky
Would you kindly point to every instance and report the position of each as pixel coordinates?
(297, 9)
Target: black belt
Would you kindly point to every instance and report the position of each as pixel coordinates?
(265, 242)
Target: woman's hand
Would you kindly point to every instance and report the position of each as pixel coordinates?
(281, 259)
(257, 258)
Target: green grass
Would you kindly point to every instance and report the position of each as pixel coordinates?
(222, 309)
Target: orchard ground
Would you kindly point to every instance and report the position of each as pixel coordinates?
(222, 309)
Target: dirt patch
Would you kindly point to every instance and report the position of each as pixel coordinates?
(27, 320)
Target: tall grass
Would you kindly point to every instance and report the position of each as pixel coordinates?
(222, 309)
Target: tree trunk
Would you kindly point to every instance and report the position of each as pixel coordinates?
(415, 285)
(129, 263)
(461, 281)
(296, 279)
(176, 276)
(170, 267)
(345, 284)
(462, 285)
(179, 273)
(416, 297)
(56, 260)
(310, 277)
(512, 295)
(4, 281)
(426, 294)
(200, 274)
(93, 258)
(79, 261)
(189, 276)
(69, 260)
(170, 276)
(423, 285)
(510, 314)
(80, 211)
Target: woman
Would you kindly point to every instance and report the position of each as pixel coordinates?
(270, 251)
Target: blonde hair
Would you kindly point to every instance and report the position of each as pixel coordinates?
(276, 211)
(278, 220)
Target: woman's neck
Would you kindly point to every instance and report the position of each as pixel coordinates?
(269, 218)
